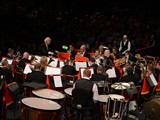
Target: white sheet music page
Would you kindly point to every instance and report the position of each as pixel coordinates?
(30, 56)
(61, 64)
(38, 58)
(52, 71)
(10, 61)
(57, 81)
(27, 69)
(48, 58)
(111, 73)
(54, 63)
(153, 80)
(82, 69)
(80, 64)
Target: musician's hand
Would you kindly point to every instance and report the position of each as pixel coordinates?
(51, 53)
(56, 51)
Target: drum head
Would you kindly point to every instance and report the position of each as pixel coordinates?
(116, 96)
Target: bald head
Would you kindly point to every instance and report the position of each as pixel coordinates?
(106, 52)
(47, 40)
(124, 37)
(26, 55)
(87, 73)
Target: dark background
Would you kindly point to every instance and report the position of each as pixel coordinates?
(25, 24)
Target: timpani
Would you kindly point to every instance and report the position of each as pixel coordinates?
(48, 94)
(68, 91)
(69, 99)
(33, 108)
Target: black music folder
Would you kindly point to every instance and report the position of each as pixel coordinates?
(152, 81)
(132, 90)
(34, 85)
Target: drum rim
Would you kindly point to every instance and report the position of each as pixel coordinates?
(71, 91)
(116, 95)
(56, 99)
(38, 109)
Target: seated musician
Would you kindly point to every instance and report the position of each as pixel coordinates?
(107, 56)
(6, 71)
(92, 63)
(130, 77)
(101, 49)
(36, 75)
(87, 85)
(83, 52)
(10, 53)
(97, 54)
(24, 60)
(157, 70)
(43, 62)
(100, 76)
(45, 50)
(115, 53)
(110, 65)
(72, 51)
(68, 69)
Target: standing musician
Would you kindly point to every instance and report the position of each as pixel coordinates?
(45, 50)
(125, 45)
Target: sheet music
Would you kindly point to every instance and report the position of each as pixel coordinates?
(9, 60)
(52, 71)
(57, 81)
(111, 73)
(98, 62)
(153, 80)
(54, 63)
(48, 58)
(80, 64)
(61, 64)
(38, 58)
(30, 56)
(27, 69)
(82, 69)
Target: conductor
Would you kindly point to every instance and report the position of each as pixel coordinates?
(44, 49)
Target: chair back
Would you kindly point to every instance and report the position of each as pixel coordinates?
(19, 75)
(81, 97)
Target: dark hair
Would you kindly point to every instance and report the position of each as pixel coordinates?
(66, 62)
(10, 50)
(129, 70)
(92, 59)
(100, 68)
